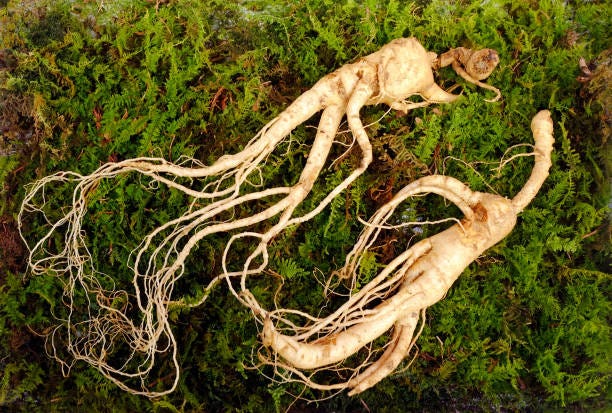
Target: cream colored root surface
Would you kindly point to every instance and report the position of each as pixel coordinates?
(401, 69)
(401, 343)
(415, 280)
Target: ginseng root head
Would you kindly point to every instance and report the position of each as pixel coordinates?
(481, 63)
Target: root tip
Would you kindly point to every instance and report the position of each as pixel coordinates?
(542, 119)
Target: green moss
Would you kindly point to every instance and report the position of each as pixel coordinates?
(526, 328)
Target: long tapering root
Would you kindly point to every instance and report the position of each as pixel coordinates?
(413, 281)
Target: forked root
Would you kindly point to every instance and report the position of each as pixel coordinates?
(413, 281)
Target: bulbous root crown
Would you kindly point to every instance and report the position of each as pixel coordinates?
(471, 65)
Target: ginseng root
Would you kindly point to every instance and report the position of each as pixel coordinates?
(400, 69)
(413, 281)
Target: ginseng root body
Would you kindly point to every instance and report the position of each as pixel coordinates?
(413, 281)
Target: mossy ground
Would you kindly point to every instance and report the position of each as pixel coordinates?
(526, 328)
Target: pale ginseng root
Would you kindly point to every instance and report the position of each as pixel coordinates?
(398, 70)
(416, 279)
